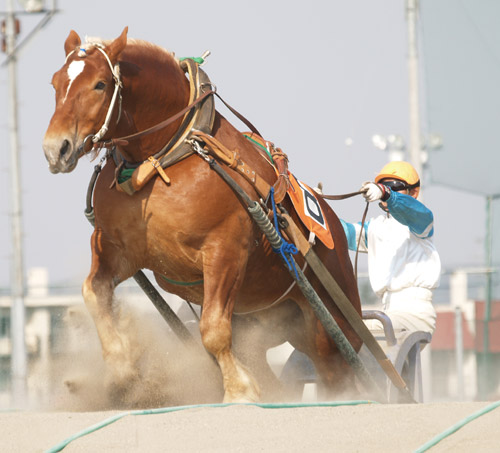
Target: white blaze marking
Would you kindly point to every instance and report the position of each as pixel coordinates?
(74, 70)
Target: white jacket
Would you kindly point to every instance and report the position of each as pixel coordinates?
(401, 251)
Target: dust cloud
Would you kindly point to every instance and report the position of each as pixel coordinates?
(169, 373)
(166, 372)
(76, 378)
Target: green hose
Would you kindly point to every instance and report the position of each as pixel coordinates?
(166, 410)
(456, 427)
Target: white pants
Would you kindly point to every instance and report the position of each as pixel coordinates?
(409, 309)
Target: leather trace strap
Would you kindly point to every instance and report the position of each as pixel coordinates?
(231, 158)
(326, 278)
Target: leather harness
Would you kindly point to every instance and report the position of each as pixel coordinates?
(199, 115)
(194, 137)
(196, 126)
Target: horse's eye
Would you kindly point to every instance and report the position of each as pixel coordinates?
(100, 86)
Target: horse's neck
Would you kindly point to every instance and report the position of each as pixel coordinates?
(148, 99)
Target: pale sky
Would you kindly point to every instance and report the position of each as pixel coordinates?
(309, 75)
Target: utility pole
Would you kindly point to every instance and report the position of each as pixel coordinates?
(484, 366)
(10, 28)
(17, 310)
(415, 147)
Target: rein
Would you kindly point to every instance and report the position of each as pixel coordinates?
(363, 218)
(123, 141)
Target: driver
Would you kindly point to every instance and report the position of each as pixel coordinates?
(403, 264)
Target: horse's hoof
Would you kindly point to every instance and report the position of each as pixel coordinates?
(252, 395)
(241, 399)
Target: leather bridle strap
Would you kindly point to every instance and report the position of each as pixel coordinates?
(123, 141)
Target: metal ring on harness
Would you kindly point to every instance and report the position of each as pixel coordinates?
(88, 140)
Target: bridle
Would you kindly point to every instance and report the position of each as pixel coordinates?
(91, 139)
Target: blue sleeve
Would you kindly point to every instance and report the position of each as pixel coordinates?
(412, 213)
(351, 232)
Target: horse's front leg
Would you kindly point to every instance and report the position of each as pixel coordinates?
(98, 290)
(223, 276)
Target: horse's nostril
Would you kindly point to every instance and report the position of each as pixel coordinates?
(64, 148)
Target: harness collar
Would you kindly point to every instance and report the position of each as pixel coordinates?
(200, 117)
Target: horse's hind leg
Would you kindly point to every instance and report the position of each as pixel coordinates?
(221, 284)
(251, 341)
(216, 334)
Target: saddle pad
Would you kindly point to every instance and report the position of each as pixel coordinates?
(307, 206)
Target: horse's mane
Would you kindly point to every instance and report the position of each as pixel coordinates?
(138, 47)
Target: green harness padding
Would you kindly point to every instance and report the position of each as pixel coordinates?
(199, 60)
(125, 174)
(174, 282)
(255, 142)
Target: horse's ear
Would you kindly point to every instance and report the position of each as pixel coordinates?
(72, 42)
(116, 47)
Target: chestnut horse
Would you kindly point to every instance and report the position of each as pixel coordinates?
(192, 228)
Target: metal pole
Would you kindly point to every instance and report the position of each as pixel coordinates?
(458, 297)
(485, 389)
(459, 353)
(415, 147)
(17, 311)
(413, 89)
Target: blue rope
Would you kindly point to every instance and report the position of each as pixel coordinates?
(286, 247)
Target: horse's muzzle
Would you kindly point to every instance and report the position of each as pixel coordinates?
(62, 156)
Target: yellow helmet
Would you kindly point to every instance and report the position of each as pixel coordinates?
(403, 171)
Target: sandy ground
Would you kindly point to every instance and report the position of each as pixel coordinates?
(72, 397)
(373, 428)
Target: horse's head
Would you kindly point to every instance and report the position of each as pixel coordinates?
(85, 87)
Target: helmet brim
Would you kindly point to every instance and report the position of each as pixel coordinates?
(378, 178)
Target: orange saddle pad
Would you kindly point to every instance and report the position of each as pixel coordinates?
(307, 206)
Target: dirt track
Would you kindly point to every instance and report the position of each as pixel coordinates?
(362, 428)
(373, 427)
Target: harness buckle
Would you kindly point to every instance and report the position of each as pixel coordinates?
(157, 165)
(195, 144)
